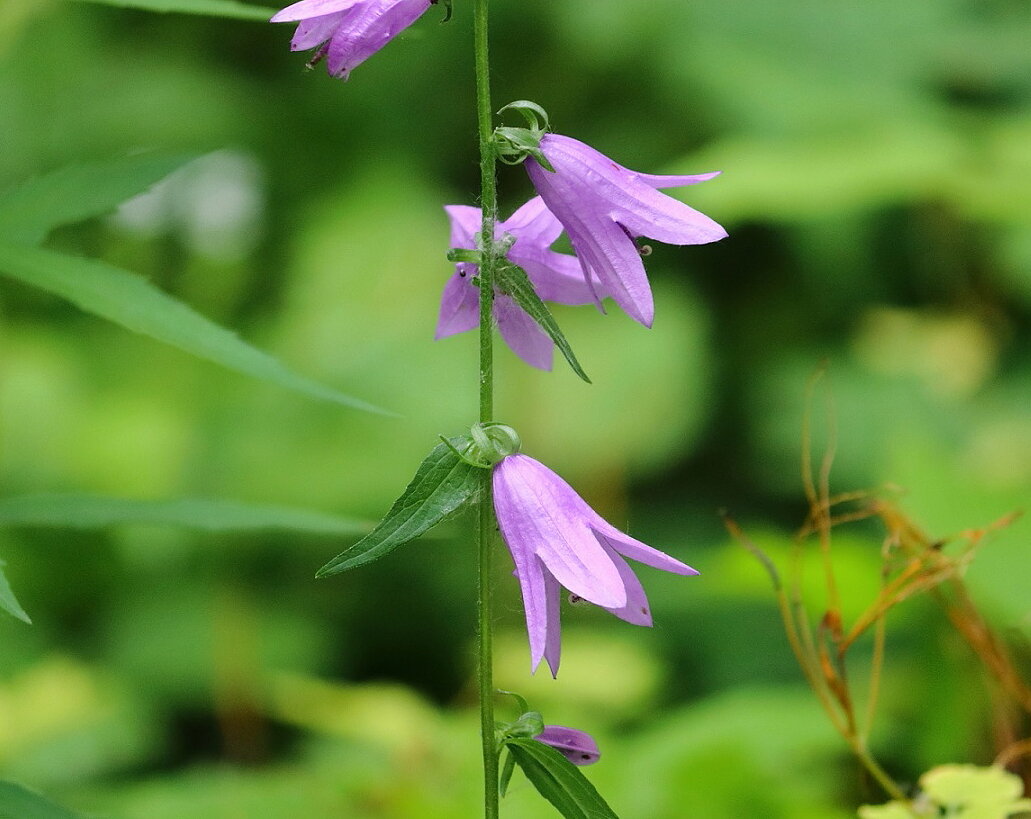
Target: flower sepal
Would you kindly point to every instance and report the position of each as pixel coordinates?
(485, 445)
(514, 145)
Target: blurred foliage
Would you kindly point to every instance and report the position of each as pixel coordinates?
(877, 189)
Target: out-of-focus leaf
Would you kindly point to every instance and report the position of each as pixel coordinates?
(93, 512)
(558, 780)
(210, 8)
(31, 210)
(137, 305)
(17, 802)
(442, 484)
(513, 281)
(8, 602)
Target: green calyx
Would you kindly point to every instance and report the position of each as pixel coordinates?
(513, 145)
(447, 8)
(486, 444)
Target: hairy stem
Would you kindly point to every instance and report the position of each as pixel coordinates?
(489, 204)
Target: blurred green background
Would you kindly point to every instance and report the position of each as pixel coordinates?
(877, 191)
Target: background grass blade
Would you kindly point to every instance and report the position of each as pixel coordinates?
(29, 211)
(17, 802)
(96, 512)
(209, 8)
(135, 304)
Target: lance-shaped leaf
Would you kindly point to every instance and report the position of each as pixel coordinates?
(10, 604)
(558, 780)
(31, 210)
(94, 512)
(442, 485)
(17, 802)
(210, 8)
(135, 304)
(512, 280)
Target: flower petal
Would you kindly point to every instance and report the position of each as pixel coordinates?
(522, 333)
(533, 223)
(673, 181)
(557, 277)
(636, 610)
(306, 9)
(635, 550)
(539, 512)
(578, 747)
(370, 26)
(459, 304)
(466, 222)
(552, 622)
(537, 607)
(315, 31)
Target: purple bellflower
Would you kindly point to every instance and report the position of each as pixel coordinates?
(557, 277)
(577, 746)
(556, 540)
(348, 32)
(604, 207)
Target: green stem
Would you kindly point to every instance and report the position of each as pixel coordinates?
(489, 204)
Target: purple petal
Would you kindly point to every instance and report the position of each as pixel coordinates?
(669, 220)
(553, 623)
(578, 747)
(539, 512)
(636, 610)
(369, 26)
(306, 9)
(557, 277)
(533, 223)
(465, 225)
(315, 31)
(673, 181)
(522, 333)
(459, 305)
(531, 575)
(635, 550)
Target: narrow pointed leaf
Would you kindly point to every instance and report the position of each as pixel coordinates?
(558, 780)
(137, 305)
(506, 774)
(17, 802)
(513, 281)
(94, 512)
(31, 210)
(10, 604)
(442, 485)
(210, 8)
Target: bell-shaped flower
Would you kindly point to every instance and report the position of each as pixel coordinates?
(347, 32)
(557, 540)
(604, 207)
(577, 746)
(557, 277)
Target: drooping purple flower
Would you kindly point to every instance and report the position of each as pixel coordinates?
(557, 540)
(604, 207)
(577, 746)
(348, 32)
(557, 277)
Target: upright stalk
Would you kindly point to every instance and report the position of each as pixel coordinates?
(489, 204)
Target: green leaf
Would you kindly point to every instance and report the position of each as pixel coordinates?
(558, 780)
(31, 210)
(210, 8)
(442, 485)
(92, 512)
(9, 603)
(17, 802)
(513, 281)
(134, 303)
(506, 774)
